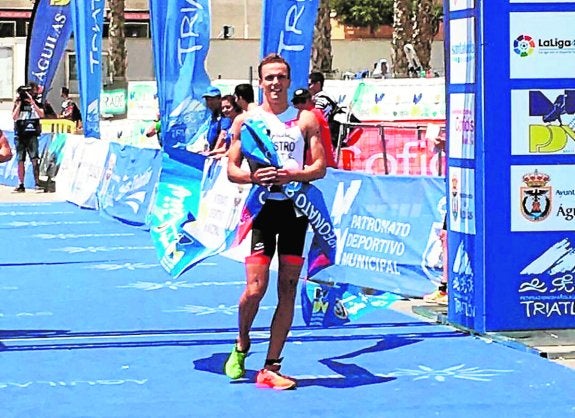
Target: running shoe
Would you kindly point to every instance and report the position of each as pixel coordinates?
(274, 380)
(437, 296)
(235, 367)
(20, 189)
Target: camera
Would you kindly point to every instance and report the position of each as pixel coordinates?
(23, 92)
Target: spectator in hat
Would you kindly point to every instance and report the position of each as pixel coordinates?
(302, 100)
(217, 121)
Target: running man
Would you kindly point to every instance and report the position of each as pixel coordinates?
(278, 224)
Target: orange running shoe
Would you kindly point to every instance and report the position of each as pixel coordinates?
(274, 380)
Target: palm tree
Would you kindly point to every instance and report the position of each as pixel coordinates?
(402, 34)
(321, 53)
(423, 31)
(118, 55)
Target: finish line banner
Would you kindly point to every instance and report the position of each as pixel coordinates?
(48, 34)
(287, 29)
(180, 39)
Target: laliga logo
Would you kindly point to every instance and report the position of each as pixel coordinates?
(536, 197)
(59, 2)
(523, 45)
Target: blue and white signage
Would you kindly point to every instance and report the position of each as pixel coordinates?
(542, 45)
(462, 51)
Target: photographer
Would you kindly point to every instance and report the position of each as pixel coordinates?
(26, 113)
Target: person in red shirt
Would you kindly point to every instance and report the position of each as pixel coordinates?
(302, 100)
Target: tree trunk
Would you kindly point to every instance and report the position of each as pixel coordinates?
(321, 54)
(118, 55)
(402, 32)
(423, 31)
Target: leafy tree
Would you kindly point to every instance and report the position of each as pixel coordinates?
(363, 13)
(414, 22)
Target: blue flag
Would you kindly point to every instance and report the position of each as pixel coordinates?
(180, 38)
(49, 32)
(88, 17)
(287, 29)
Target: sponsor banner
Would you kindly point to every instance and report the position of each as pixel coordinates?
(127, 186)
(462, 51)
(388, 231)
(91, 155)
(399, 100)
(543, 122)
(88, 18)
(543, 292)
(409, 150)
(334, 304)
(462, 125)
(542, 198)
(51, 156)
(175, 203)
(462, 294)
(142, 100)
(113, 102)
(212, 229)
(48, 34)
(287, 29)
(9, 169)
(180, 40)
(455, 5)
(542, 45)
(71, 154)
(462, 201)
(341, 91)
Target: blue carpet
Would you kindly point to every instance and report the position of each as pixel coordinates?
(91, 326)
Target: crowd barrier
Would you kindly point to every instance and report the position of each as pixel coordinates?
(396, 148)
(387, 225)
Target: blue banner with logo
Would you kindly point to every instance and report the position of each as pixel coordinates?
(180, 39)
(388, 231)
(287, 29)
(126, 190)
(88, 17)
(48, 34)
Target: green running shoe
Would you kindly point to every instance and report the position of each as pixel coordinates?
(234, 367)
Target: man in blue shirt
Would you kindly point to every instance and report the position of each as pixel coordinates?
(217, 123)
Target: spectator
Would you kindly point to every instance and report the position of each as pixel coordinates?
(230, 110)
(244, 94)
(302, 100)
(217, 122)
(326, 104)
(70, 110)
(26, 113)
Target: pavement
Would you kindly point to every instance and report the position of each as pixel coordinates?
(91, 326)
(555, 345)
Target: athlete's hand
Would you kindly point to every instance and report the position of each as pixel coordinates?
(283, 176)
(265, 176)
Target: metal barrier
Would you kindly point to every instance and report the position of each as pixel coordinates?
(392, 148)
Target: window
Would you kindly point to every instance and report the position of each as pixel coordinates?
(7, 29)
(72, 72)
(131, 30)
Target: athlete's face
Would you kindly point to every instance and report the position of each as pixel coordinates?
(275, 81)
